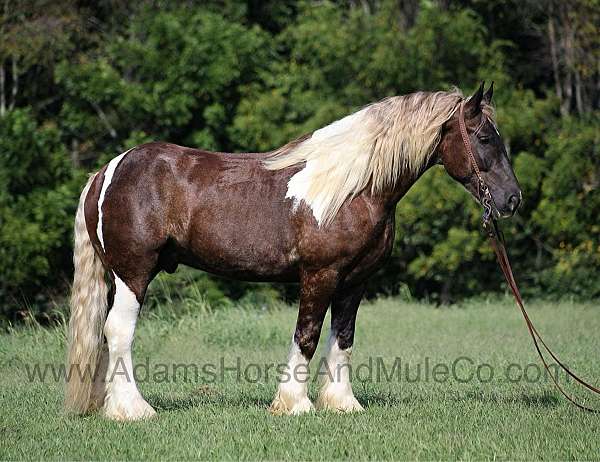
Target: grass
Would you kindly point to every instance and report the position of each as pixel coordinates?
(404, 419)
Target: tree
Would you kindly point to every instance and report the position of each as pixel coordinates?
(35, 33)
(575, 52)
(37, 200)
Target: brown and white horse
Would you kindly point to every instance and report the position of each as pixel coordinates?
(318, 211)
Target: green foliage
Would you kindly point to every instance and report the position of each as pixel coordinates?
(37, 202)
(240, 76)
(332, 61)
(172, 75)
(569, 206)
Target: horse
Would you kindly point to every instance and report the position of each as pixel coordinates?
(319, 211)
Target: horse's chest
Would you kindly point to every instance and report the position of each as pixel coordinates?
(377, 248)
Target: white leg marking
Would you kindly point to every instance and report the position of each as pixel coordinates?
(108, 174)
(123, 400)
(336, 391)
(292, 394)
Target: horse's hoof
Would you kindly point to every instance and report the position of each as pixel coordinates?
(279, 407)
(302, 407)
(137, 409)
(341, 402)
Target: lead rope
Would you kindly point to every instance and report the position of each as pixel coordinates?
(497, 242)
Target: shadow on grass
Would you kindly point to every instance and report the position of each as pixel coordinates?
(533, 400)
(205, 395)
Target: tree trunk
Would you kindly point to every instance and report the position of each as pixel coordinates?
(2, 96)
(15, 83)
(75, 153)
(555, 62)
(109, 128)
(568, 47)
(578, 93)
(445, 292)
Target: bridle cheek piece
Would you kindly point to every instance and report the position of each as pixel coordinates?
(483, 192)
(497, 241)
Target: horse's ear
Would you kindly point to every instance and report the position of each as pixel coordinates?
(487, 96)
(473, 105)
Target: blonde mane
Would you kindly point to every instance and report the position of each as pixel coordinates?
(378, 144)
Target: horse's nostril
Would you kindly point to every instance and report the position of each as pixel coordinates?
(513, 202)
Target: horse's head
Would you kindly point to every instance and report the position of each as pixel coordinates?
(488, 151)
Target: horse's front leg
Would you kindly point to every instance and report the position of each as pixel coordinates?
(336, 391)
(315, 296)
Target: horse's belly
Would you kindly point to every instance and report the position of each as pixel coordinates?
(241, 246)
(244, 265)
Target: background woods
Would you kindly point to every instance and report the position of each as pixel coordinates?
(81, 82)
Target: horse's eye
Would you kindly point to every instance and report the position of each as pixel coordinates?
(485, 139)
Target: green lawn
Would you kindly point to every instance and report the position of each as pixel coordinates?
(404, 419)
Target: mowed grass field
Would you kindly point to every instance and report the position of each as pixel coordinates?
(466, 415)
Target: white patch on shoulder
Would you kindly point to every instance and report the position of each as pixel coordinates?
(299, 185)
(108, 174)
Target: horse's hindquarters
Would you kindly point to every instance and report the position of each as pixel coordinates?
(167, 205)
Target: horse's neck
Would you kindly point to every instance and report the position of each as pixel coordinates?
(390, 198)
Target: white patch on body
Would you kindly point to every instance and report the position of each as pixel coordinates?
(298, 190)
(108, 174)
(336, 391)
(335, 139)
(292, 394)
(123, 400)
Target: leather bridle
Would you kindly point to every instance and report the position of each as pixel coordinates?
(483, 191)
(497, 241)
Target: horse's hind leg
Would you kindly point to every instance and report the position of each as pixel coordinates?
(336, 392)
(315, 297)
(123, 400)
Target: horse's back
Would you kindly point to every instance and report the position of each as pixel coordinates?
(220, 212)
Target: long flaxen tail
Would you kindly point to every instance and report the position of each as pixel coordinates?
(88, 314)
